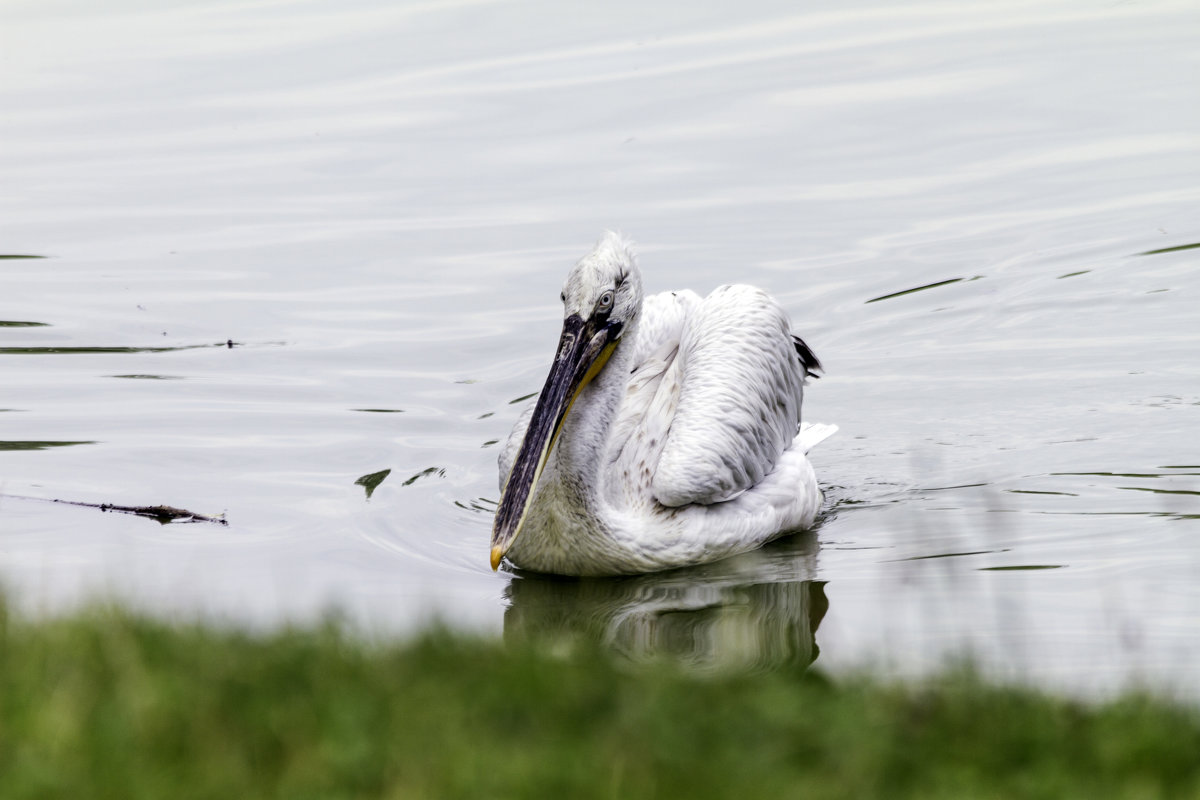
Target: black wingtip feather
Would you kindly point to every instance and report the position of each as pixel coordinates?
(808, 359)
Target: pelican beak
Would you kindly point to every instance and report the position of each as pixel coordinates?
(583, 349)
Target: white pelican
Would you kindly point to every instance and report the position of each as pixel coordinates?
(667, 434)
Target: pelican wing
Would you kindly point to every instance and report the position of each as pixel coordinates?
(739, 397)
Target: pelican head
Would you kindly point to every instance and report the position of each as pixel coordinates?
(602, 297)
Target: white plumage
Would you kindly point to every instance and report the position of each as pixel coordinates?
(683, 447)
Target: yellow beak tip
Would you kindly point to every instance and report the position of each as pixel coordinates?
(497, 554)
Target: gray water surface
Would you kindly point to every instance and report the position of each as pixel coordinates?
(286, 246)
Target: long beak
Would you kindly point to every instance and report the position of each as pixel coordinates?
(583, 349)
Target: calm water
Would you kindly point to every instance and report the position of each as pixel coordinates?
(984, 218)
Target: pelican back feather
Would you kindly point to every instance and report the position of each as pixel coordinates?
(741, 390)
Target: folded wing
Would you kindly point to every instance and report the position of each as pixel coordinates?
(741, 385)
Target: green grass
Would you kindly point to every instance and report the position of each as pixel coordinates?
(106, 704)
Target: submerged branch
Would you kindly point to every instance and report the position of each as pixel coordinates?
(164, 514)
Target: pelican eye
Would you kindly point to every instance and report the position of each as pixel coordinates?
(606, 301)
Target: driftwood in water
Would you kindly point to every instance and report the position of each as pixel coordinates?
(164, 514)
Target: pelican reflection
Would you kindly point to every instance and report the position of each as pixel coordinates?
(756, 611)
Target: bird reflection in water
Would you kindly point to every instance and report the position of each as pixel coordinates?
(753, 612)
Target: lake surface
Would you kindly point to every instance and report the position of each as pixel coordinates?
(286, 245)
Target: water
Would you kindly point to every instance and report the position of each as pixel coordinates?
(376, 205)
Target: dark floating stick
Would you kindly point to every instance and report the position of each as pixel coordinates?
(164, 514)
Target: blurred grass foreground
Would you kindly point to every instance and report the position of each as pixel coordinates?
(108, 704)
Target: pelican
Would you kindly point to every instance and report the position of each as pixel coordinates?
(667, 434)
